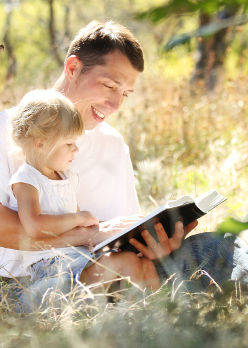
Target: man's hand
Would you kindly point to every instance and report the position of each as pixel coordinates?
(119, 223)
(156, 250)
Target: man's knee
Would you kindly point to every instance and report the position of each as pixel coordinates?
(150, 275)
(113, 266)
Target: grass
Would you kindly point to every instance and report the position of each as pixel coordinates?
(148, 320)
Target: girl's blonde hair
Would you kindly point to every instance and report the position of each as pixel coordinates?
(45, 114)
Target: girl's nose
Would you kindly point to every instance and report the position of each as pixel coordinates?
(75, 148)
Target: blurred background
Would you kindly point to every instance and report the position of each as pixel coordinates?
(186, 123)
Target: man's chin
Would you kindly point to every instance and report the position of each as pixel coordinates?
(90, 126)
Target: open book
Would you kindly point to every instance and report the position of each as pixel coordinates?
(185, 209)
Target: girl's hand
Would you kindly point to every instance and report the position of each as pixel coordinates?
(80, 236)
(86, 219)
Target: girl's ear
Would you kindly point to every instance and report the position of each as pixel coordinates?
(39, 143)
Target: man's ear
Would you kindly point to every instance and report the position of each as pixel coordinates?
(73, 67)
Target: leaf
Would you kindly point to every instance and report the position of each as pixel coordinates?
(232, 225)
(156, 14)
(206, 30)
(177, 40)
(182, 7)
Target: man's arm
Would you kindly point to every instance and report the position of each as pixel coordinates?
(10, 228)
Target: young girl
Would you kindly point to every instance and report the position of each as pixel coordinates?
(45, 125)
(43, 190)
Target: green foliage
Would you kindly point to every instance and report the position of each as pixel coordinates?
(156, 14)
(232, 225)
(206, 30)
(186, 7)
(179, 7)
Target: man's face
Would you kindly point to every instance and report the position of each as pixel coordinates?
(99, 92)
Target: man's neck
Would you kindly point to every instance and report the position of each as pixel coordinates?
(61, 85)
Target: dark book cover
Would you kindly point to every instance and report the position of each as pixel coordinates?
(186, 210)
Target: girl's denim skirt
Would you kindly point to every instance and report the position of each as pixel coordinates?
(55, 278)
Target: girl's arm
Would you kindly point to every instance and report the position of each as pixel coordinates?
(37, 224)
(13, 235)
(74, 237)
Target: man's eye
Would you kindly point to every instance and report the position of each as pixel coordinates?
(108, 86)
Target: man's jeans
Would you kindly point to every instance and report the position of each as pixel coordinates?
(208, 257)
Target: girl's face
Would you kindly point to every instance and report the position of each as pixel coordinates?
(62, 154)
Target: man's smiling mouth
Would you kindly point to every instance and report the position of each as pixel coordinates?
(98, 115)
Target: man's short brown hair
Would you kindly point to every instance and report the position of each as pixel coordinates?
(97, 39)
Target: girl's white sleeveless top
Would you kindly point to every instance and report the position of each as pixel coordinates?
(55, 197)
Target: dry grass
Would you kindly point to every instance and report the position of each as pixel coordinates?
(188, 142)
(148, 320)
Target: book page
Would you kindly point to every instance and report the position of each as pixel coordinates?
(180, 201)
(209, 200)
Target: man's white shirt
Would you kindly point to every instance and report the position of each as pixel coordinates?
(106, 180)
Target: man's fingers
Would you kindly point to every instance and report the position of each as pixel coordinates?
(158, 249)
(191, 226)
(141, 248)
(177, 237)
(165, 246)
(162, 235)
(163, 238)
(150, 241)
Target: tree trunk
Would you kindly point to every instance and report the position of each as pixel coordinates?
(67, 32)
(211, 52)
(52, 33)
(11, 72)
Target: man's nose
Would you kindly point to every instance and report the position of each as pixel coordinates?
(115, 101)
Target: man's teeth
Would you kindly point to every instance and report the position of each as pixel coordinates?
(98, 113)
